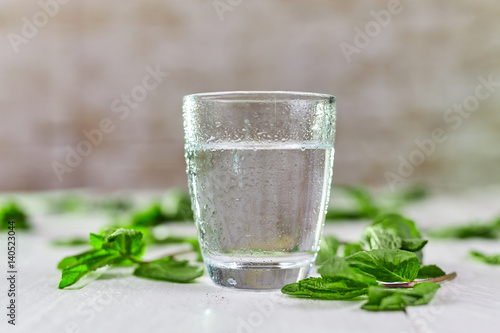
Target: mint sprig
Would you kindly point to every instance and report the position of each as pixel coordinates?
(124, 247)
(385, 267)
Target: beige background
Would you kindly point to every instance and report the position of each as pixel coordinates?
(394, 91)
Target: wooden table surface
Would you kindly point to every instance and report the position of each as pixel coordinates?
(119, 302)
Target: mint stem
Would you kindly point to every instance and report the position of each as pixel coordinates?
(447, 277)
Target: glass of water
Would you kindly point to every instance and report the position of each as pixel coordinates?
(259, 167)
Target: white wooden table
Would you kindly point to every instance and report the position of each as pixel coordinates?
(119, 302)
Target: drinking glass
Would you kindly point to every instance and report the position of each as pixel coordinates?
(259, 166)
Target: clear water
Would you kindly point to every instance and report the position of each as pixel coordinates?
(259, 207)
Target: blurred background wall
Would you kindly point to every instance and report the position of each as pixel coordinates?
(113, 73)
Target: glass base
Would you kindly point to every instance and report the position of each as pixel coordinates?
(256, 277)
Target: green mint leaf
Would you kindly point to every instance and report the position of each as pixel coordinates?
(167, 269)
(149, 217)
(176, 206)
(403, 227)
(386, 265)
(68, 202)
(13, 212)
(328, 249)
(430, 272)
(75, 241)
(413, 245)
(388, 299)
(85, 263)
(338, 267)
(493, 259)
(376, 237)
(414, 193)
(126, 241)
(76, 259)
(474, 230)
(351, 248)
(97, 241)
(364, 206)
(331, 288)
(392, 231)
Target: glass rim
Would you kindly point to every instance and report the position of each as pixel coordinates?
(258, 95)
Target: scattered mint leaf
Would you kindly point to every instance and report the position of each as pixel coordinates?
(351, 248)
(127, 241)
(376, 237)
(386, 265)
(413, 245)
(472, 230)
(414, 193)
(392, 231)
(68, 202)
(74, 260)
(429, 272)
(149, 216)
(386, 299)
(493, 259)
(75, 241)
(328, 249)
(77, 267)
(114, 204)
(338, 267)
(364, 206)
(332, 288)
(97, 241)
(13, 212)
(176, 206)
(167, 269)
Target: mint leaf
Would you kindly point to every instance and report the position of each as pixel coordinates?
(386, 265)
(97, 241)
(386, 299)
(376, 237)
(473, 230)
(430, 272)
(332, 288)
(74, 260)
(126, 241)
(149, 216)
(74, 241)
(351, 248)
(77, 267)
(392, 231)
(167, 269)
(13, 212)
(176, 206)
(328, 249)
(493, 259)
(338, 267)
(413, 245)
(364, 206)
